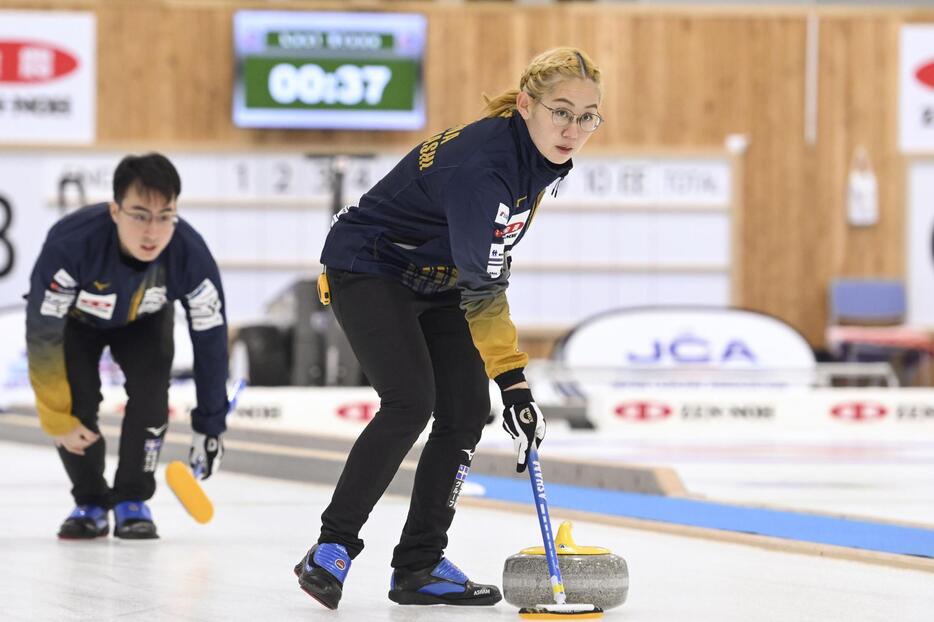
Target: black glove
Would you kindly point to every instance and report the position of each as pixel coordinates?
(205, 454)
(524, 422)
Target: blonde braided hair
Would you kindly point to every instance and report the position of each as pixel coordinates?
(542, 74)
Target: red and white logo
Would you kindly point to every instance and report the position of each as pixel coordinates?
(643, 411)
(925, 74)
(510, 233)
(859, 411)
(357, 411)
(96, 304)
(31, 62)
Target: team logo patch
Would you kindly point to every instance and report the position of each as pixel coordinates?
(99, 305)
(204, 307)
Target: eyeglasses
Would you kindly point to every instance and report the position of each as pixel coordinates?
(562, 117)
(144, 219)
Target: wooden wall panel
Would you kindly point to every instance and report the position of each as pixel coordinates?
(676, 78)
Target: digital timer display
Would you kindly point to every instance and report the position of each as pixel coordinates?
(329, 70)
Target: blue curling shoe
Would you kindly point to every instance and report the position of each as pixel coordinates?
(134, 521)
(322, 571)
(441, 584)
(84, 523)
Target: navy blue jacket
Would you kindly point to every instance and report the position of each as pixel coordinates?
(448, 215)
(81, 273)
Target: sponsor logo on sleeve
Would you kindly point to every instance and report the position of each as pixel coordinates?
(154, 299)
(510, 234)
(502, 214)
(204, 306)
(56, 304)
(99, 305)
(494, 266)
(64, 279)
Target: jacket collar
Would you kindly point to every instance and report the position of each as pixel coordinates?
(531, 158)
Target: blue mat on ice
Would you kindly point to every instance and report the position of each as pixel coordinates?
(860, 534)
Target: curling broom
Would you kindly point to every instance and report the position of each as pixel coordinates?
(561, 610)
(184, 483)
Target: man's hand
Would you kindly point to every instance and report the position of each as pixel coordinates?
(77, 440)
(205, 455)
(524, 422)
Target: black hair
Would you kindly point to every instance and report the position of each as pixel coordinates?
(152, 171)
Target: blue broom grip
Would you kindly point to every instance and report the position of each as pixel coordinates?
(544, 522)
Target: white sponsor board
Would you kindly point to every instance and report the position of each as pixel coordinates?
(48, 77)
(665, 338)
(340, 412)
(916, 89)
(814, 414)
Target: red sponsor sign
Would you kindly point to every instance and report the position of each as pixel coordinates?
(642, 411)
(357, 411)
(859, 411)
(31, 62)
(925, 75)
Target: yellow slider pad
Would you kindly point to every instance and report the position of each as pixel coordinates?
(189, 491)
(561, 612)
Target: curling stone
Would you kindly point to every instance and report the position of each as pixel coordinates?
(591, 574)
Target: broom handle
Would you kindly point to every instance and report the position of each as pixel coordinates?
(544, 522)
(238, 387)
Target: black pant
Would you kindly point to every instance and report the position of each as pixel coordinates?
(417, 352)
(144, 351)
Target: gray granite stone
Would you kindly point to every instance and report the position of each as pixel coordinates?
(601, 580)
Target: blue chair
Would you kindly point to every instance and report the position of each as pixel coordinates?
(873, 302)
(867, 302)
